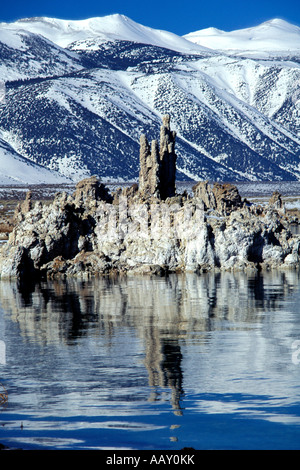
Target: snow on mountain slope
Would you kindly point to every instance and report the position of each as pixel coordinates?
(107, 28)
(222, 127)
(271, 36)
(26, 55)
(17, 169)
(82, 109)
(269, 88)
(103, 113)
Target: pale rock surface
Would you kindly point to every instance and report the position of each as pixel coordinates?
(158, 164)
(147, 228)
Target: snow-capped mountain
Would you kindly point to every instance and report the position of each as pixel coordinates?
(108, 28)
(269, 37)
(80, 93)
(27, 55)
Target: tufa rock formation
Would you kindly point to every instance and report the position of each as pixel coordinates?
(148, 228)
(90, 189)
(276, 202)
(158, 164)
(220, 197)
(23, 207)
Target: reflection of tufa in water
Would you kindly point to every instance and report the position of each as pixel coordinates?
(163, 363)
(161, 312)
(148, 228)
(3, 396)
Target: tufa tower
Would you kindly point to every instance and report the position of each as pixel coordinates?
(158, 164)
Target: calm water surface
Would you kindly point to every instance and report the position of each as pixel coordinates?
(209, 362)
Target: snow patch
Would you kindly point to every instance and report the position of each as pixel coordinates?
(70, 166)
(12, 38)
(274, 35)
(108, 28)
(16, 169)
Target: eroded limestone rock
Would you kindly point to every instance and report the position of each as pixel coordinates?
(158, 164)
(91, 189)
(23, 207)
(275, 201)
(148, 228)
(167, 159)
(220, 197)
(149, 179)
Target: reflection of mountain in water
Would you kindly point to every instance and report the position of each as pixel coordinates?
(162, 312)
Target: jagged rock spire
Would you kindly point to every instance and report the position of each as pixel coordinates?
(149, 167)
(158, 164)
(167, 159)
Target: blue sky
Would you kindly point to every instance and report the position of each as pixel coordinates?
(179, 17)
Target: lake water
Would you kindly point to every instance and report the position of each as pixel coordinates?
(204, 361)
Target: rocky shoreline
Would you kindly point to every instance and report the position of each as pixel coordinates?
(148, 227)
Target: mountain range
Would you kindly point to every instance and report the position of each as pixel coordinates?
(78, 95)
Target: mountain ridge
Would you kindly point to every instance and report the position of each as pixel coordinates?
(110, 27)
(120, 27)
(81, 109)
(270, 36)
